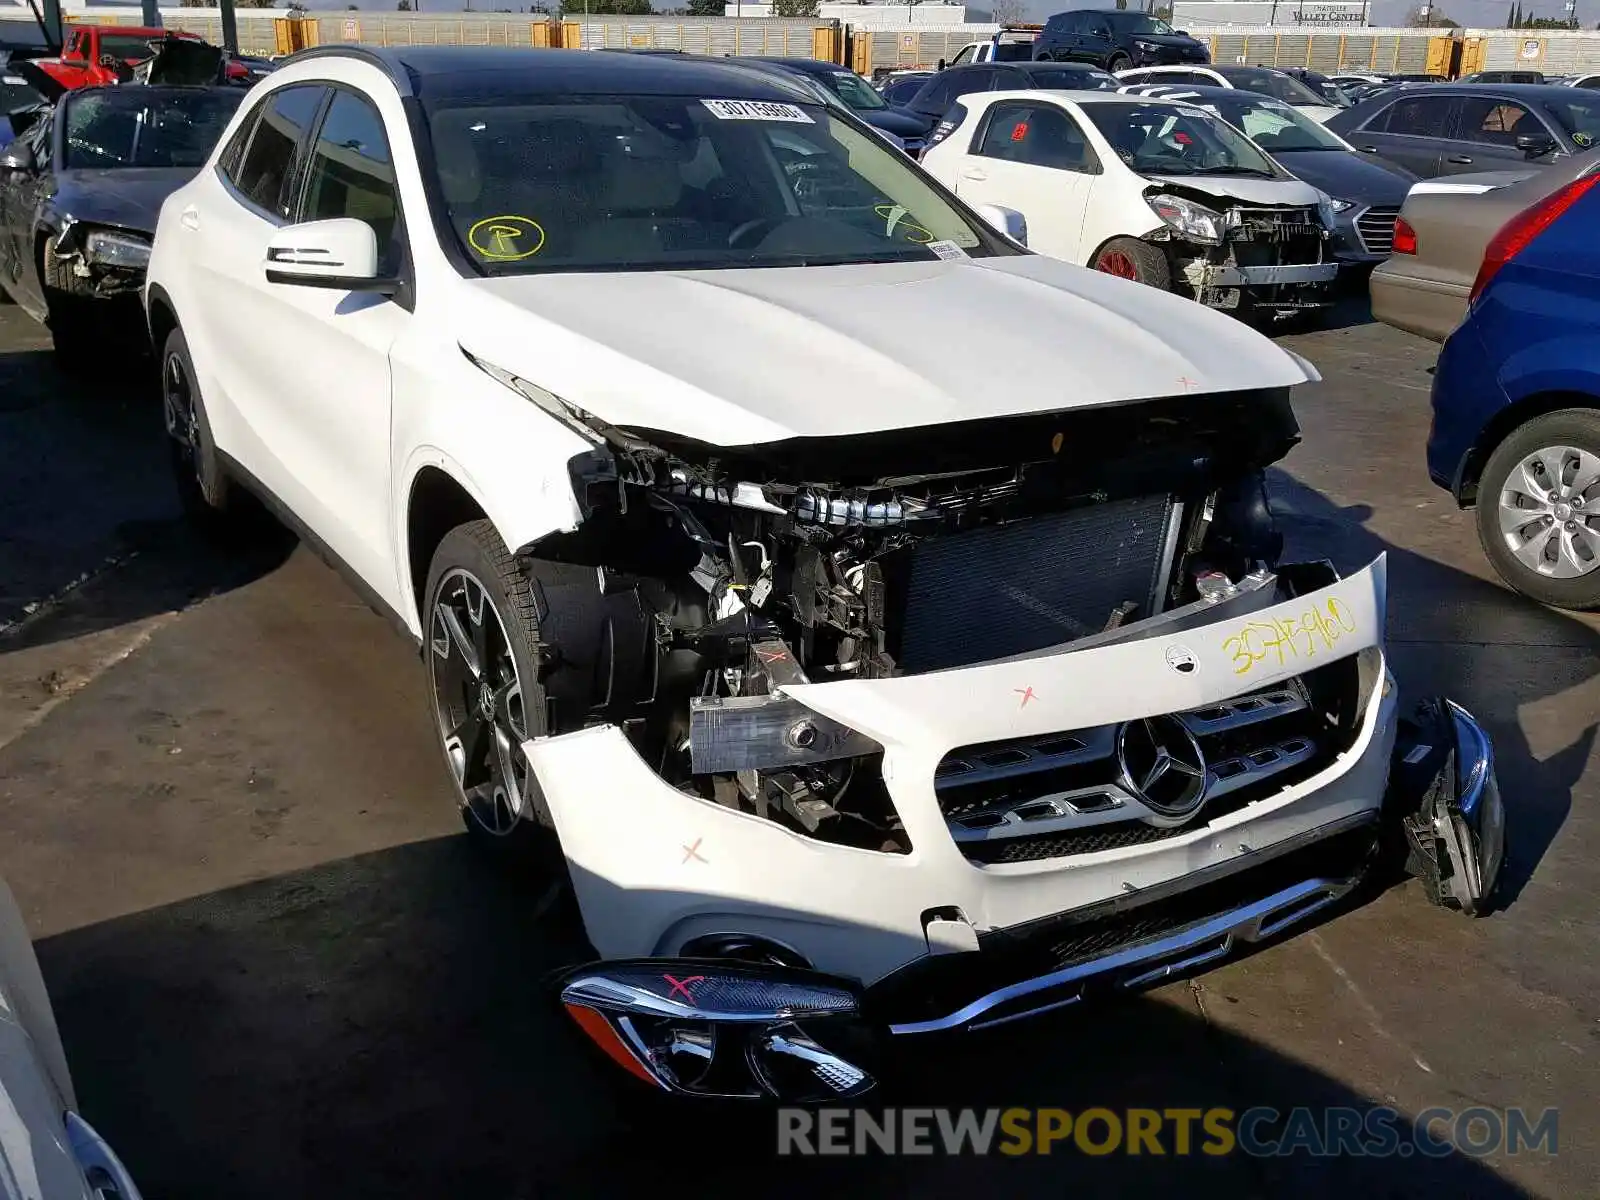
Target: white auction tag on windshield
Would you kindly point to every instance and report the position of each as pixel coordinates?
(947, 250)
(756, 110)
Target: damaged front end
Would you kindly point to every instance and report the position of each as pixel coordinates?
(105, 262)
(750, 570)
(1238, 256)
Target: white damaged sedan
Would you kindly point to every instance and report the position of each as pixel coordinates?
(886, 623)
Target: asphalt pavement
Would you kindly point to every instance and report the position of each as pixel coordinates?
(281, 972)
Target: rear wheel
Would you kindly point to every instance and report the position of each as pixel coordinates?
(1539, 509)
(1129, 258)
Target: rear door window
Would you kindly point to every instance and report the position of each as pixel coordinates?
(1416, 116)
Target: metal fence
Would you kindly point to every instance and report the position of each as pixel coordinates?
(1554, 53)
(794, 37)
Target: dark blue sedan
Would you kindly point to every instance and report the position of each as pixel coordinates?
(1516, 400)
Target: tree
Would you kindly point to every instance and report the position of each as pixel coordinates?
(402, 5)
(1425, 16)
(1009, 12)
(1122, 5)
(705, 8)
(794, 8)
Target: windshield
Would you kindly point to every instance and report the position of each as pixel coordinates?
(682, 183)
(1164, 139)
(1274, 126)
(1580, 117)
(1126, 22)
(138, 127)
(1275, 84)
(120, 45)
(1080, 79)
(853, 90)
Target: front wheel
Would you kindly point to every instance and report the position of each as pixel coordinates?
(1119, 62)
(204, 488)
(1539, 509)
(1129, 258)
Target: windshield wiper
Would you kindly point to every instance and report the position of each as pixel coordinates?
(1255, 172)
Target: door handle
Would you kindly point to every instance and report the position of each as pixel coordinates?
(189, 218)
(974, 174)
(1460, 160)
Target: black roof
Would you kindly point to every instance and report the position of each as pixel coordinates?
(484, 71)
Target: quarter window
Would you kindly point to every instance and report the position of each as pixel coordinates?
(270, 162)
(351, 173)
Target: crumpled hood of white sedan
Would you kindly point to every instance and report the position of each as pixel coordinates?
(737, 357)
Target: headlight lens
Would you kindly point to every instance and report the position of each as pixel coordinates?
(1332, 205)
(1194, 221)
(118, 250)
(1146, 45)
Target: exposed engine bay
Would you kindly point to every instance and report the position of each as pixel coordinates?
(730, 573)
(1270, 258)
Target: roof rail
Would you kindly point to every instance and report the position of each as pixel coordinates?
(385, 63)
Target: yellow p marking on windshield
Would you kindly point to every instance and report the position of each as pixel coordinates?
(506, 238)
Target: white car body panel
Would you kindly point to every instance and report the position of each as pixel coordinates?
(1321, 113)
(690, 867)
(629, 348)
(1072, 214)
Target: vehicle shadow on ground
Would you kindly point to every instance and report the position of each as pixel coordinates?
(1506, 658)
(381, 1026)
(88, 506)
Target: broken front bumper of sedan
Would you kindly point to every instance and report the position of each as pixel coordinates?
(1095, 818)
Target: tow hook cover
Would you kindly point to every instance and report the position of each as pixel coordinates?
(1453, 817)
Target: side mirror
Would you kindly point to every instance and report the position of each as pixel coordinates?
(1535, 144)
(341, 253)
(18, 156)
(1007, 220)
(941, 64)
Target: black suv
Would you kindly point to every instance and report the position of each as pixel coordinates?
(949, 85)
(1116, 40)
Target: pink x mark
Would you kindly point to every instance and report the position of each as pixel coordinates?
(1027, 694)
(682, 985)
(694, 851)
(1187, 382)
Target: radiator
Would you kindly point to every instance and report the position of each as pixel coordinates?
(1008, 589)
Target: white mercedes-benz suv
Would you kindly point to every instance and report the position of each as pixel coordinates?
(886, 622)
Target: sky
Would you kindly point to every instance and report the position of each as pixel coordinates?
(1470, 13)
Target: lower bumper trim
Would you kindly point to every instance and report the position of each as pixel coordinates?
(1226, 276)
(1147, 964)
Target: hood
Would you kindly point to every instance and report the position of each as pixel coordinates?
(128, 197)
(1178, 41)
(740, 357)
(1349, 175)
(899, 121)
(1251, 189)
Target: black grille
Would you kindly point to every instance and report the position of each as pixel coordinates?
(1097, 838)
(1376, 229)
(991, 593)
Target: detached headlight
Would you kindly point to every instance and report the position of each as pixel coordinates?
(1194, 221)
(124, 250)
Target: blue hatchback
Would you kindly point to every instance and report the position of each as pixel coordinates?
(1516, 400)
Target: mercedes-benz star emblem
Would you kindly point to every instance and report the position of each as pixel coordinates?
(1162, 764)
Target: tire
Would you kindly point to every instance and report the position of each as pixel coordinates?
(210, 499)
(1560, 563)
(70, 313)
(1129, 258)
(539, 631)
(1119, 62)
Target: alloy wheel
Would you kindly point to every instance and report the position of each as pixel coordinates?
(478, 700)
(1550, 512)
(1118, 263)
(178, 410)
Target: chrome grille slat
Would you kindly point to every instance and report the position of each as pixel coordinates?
(1023, 757)
(1375, 228)
(1241, 770)
(1242, 711)
(1043, 814)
